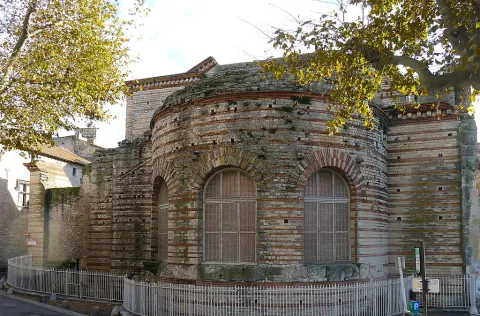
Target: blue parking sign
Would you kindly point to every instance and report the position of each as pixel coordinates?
(414, 306)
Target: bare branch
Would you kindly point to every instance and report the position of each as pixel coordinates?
(262, 31)
(285, 11)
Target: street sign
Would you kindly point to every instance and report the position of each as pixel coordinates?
(433, 285)
(414, 306)
(31, 242)
(417, 260)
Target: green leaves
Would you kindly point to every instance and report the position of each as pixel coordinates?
(74, 60)
(414, 47)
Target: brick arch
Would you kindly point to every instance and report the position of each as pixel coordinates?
(212, 161)
(347, 167)
(336, 159)
(158, 180)
(166, 170)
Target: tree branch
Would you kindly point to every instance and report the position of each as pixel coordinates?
(476, 3)
(32, 7)
(457, 35)
(47, 26)
(427, 78)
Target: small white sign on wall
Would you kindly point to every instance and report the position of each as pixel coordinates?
(31, 242)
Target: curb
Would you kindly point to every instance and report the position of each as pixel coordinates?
(46, 306)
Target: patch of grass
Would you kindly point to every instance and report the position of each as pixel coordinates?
(285, 108)
(302, 100)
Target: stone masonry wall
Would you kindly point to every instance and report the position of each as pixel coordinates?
(45, 174)
(140, 108)
(78, 146)
(424, 189)
(119, 187)
(405, 187)
(280, 139)
(67, 227)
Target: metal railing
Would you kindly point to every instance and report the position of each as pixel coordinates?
(99, 286)
(380, 298)
(455, 291)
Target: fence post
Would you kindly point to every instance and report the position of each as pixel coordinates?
(472, 290)
(80, 288)
(66, 282)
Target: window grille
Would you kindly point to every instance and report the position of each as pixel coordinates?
(230, 217)
(162, 206)
(327, 218)
(23, 188)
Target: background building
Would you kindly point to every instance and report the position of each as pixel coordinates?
(53, 167)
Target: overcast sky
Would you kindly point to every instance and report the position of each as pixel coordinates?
(176, 35)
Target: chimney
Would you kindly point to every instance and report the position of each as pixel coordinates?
(88, 133)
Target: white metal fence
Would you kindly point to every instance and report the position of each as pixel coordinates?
(455, 291)
(380, 298)
(80, 284)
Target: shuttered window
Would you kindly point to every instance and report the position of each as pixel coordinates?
(230, 217)
(327, 218)
(162, 206)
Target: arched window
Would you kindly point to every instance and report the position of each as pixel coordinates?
(229, 219)
(162, 221)
(327, 218)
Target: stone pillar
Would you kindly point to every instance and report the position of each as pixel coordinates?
(467, 137)
(36, 215)
(129, 118)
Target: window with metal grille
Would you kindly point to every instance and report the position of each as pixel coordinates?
(23, 188)
(162, 207)
(327, 218)
(230, 217)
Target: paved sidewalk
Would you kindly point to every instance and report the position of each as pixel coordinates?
(11, 305)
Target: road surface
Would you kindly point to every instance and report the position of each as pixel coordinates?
(11, 307)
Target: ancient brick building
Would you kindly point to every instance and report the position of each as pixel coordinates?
(226, 176)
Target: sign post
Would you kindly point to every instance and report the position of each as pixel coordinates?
(401, 265)
(424, 278)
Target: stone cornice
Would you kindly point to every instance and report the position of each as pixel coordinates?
(204, 66)
(175, 80)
